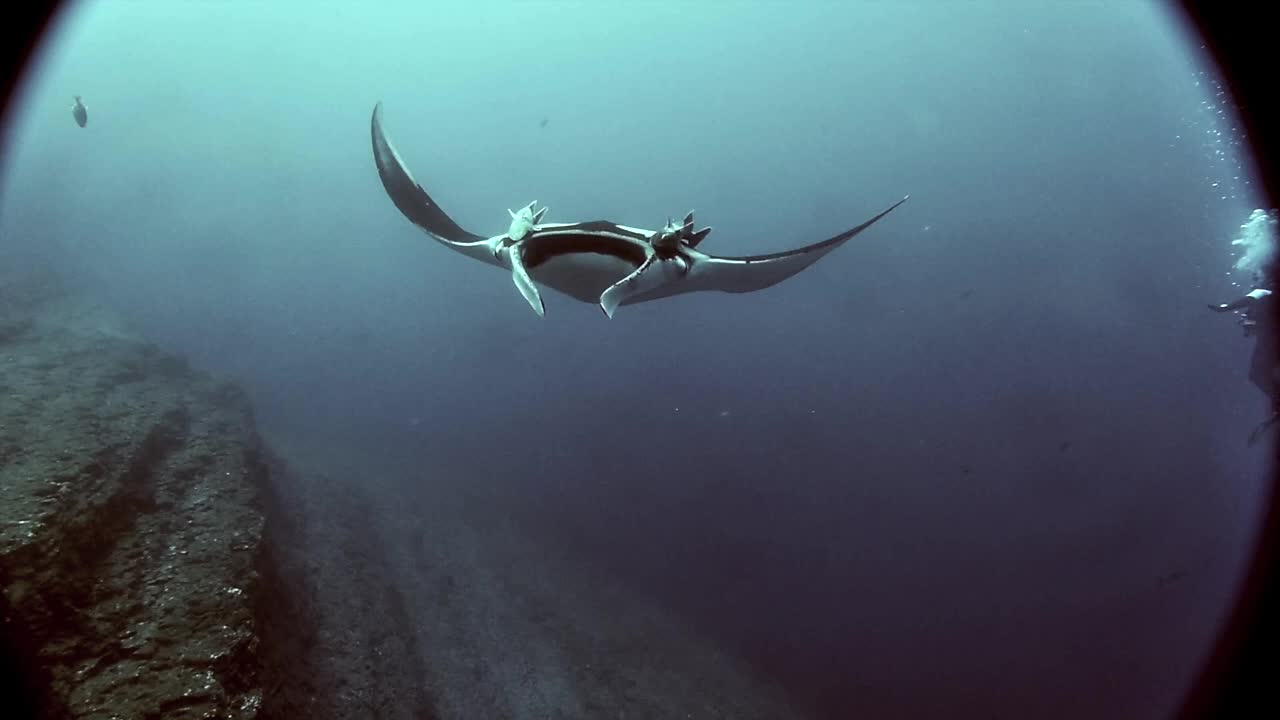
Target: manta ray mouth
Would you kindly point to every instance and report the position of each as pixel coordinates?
(546, 245)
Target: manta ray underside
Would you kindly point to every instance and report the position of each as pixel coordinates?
(597, 261)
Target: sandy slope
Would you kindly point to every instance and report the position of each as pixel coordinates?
(500, 626)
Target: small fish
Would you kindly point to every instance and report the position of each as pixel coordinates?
(544, 122)
(80, 112)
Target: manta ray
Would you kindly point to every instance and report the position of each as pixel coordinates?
(596, 261)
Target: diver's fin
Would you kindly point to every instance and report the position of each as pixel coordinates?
(520, 276)
(1262, 428)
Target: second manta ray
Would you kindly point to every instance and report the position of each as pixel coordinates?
(596, 261)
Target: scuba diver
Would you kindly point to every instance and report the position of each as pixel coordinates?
(1258, 315)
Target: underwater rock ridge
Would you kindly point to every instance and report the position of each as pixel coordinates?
(131, 526)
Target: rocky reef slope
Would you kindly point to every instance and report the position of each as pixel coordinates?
(131, 495)
(158, 561)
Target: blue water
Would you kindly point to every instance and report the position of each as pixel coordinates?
(989, 456)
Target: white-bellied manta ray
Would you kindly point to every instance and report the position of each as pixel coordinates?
(596, 261)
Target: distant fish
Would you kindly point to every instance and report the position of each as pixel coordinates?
(544, 122)
(80, 112)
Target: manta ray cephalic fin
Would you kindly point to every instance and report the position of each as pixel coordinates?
(524, 283)
(611, 298)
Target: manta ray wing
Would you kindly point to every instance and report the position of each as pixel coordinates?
(596, 244)
(755, 272)
(414, 202)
